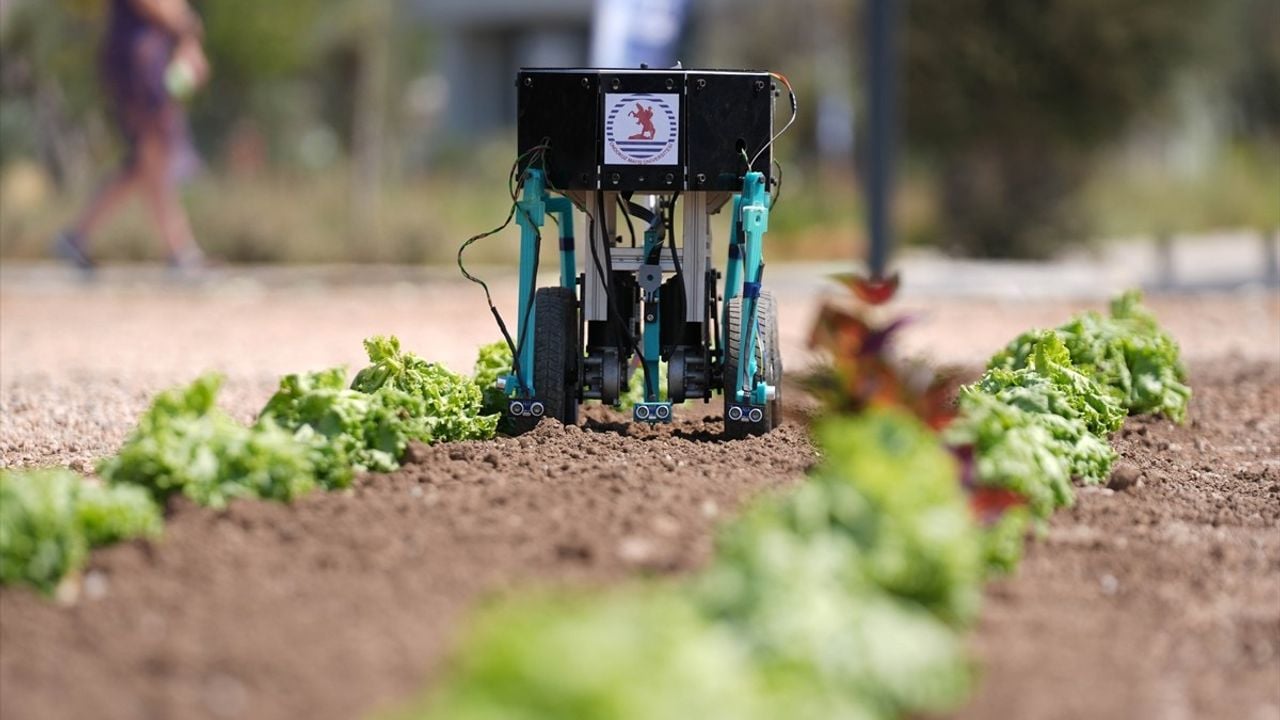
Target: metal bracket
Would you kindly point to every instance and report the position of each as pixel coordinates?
(755, 222)
(695, 253)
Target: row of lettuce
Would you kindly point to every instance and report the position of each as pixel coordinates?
(317, 431)
(848, 597)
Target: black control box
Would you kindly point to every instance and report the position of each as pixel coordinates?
(648, 130)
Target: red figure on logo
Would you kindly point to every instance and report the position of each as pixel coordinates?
(644, 116)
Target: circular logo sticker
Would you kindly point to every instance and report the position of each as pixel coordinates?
(641, 129)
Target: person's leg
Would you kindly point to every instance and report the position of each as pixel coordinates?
(110, 194)
(72, 243)
(161, 193)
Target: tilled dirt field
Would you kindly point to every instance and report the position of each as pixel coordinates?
(1159, 599)
(342, 602)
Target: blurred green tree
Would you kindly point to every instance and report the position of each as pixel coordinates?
(256, 49)
(283, 64)
(1014, 101)
(1252, 44)
(48, 84)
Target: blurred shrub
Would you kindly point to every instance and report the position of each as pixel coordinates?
(1128, 196)
(1250, 43)
(1013, 101)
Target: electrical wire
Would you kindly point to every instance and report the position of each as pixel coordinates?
(626, 214)
(664, 219)
(514, 186)
(606, 280)
(610, 289)
(777, 184)
(523, 335)
(794, 111)
(462, 249)
(675, 257)
(627, 207)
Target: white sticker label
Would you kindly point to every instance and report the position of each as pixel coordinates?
(641, 129)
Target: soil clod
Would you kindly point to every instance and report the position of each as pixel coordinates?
(1124, 476)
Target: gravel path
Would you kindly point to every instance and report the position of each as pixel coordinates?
(79, 363)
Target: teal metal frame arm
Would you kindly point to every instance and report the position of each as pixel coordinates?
(531, 215)
(751, 222)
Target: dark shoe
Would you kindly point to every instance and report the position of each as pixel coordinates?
(68, 247)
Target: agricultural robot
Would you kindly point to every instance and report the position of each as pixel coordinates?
(625, 147)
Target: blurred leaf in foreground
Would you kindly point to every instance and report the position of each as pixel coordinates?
(50, 518)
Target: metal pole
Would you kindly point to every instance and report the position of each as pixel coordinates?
(881, 24)
(1166, 273)
(1271, 256)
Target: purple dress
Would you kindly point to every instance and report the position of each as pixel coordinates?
(134, 59)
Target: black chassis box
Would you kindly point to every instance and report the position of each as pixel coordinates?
(649, 130)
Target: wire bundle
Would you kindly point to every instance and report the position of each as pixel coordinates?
(536, 155)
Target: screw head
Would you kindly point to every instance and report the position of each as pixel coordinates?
(586, 82)
(759, 85)
(614, 178)
(614, 84)
(701, 84)
(669, 178)
(528, 82)
(670, 83)
(702, 177)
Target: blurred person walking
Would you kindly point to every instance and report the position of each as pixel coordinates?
(152, 56)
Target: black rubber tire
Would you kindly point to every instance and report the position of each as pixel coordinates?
(768, 362)
(555, 362)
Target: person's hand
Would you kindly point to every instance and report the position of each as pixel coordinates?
(190, 53)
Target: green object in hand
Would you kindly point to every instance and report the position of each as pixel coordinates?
(180, 80)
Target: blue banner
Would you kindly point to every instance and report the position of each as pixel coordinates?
(627, 33)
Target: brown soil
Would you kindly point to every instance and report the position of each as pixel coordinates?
(1160, 600)
(344, 602)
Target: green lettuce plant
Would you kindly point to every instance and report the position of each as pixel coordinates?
(492, 362)
(1126, 350)
(184, 444)
(50, 518)
(450, 406)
